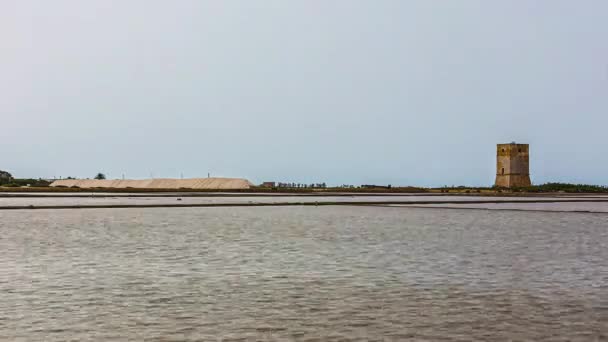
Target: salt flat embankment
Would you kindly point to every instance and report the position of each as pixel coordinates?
(557, 203)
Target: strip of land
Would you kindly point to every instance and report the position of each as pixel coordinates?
(524, 208)
(285, 194)
(301, 203)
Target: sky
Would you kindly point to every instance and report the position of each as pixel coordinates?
(403, 92)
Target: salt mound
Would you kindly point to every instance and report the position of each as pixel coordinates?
(158, 183)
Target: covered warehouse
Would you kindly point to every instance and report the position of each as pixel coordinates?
(158, 183)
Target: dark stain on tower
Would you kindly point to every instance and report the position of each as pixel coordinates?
(513, 165)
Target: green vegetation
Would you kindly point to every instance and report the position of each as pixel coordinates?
(542, 188)
(100, 176)
(564, 187)
(17, 182)
(7, 180)
(5, 177)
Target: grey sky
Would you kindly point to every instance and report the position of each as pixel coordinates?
(400, 92)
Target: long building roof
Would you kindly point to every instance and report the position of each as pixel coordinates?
(158, 183)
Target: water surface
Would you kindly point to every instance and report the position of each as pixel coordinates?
(303, 274)
(166, 200)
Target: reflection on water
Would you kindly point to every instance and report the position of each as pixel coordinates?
(303, 274)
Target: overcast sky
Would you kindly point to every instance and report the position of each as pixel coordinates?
(374, 91)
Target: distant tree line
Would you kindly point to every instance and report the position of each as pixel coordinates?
(547, 187)
(373, 186)
(7, 180)
(563, 187)
(302, 186)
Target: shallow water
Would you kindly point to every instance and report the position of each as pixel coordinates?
(303, 274)
(157, 200)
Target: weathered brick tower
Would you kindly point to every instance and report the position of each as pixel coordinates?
(513, 165)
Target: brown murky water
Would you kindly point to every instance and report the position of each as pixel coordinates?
(303, 274)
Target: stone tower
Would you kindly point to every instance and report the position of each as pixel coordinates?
(512, 165)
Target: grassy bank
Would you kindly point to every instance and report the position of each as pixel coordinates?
(564, 187)
(542, 188)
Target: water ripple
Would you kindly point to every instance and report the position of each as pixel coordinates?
(303, 274)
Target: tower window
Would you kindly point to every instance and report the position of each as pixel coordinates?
(503, 170)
